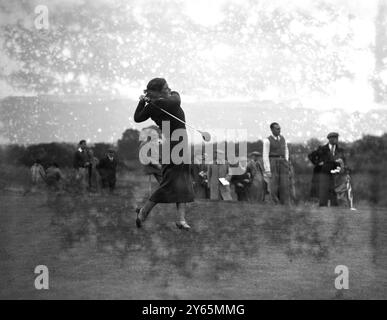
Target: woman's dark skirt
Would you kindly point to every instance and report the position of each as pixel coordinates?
(176, 185)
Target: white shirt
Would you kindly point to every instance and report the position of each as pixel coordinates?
(266, 151)
(332, 147)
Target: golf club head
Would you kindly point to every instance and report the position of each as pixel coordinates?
(206, 136)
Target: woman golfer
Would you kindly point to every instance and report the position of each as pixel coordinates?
(176, 184)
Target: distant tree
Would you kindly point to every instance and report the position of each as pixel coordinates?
(61, 153)
(128, 144)
(13, 154)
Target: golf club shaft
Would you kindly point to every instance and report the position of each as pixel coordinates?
(177, 119)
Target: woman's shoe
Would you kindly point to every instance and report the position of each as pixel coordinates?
(183, 225)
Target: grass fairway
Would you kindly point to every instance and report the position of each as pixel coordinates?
(234, 250)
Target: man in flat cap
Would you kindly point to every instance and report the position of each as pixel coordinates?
(330, 158)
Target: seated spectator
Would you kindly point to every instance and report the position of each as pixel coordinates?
(54, 176)
(242, 183)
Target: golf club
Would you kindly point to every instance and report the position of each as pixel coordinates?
(205, 135)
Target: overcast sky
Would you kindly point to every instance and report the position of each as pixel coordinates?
(315, 54)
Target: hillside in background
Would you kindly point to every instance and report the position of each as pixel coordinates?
(100, 119)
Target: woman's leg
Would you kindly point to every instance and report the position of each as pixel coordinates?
(146, 209)
(143, 212)
(181, 223)
(180, 211)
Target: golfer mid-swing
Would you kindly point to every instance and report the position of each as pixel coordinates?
(176, 184)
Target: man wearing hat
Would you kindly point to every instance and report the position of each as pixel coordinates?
(329, 157)
(107, 167)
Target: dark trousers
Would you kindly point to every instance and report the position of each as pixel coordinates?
(279, 182)
(108, 182)
(241, 194)
(327, 190)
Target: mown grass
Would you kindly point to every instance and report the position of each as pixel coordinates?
(234, 250)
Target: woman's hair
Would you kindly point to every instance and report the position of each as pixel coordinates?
(156, 84)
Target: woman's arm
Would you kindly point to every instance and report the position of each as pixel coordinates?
(168, 102)
(142, 112)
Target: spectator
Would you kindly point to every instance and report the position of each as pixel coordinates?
(275, 161)
(199, 172)
(107, 169)
(81, 164)
(54, 177)
(93, 175)
(242, 183)
(257, 187)
(38, 175)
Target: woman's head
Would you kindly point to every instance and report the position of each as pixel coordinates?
(158, 85)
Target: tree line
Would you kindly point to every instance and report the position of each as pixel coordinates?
(366, 158)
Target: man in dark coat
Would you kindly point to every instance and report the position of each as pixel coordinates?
(328, 157)
(107, 168)
(81, 164)
(314, 158)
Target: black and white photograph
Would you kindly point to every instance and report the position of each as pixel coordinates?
(199, 150)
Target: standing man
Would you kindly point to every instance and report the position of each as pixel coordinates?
(329, 157)
(276, 166)
(107, 168)
(81, 164)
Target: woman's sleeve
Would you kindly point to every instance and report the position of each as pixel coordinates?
(170, 103)
(142, 113)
